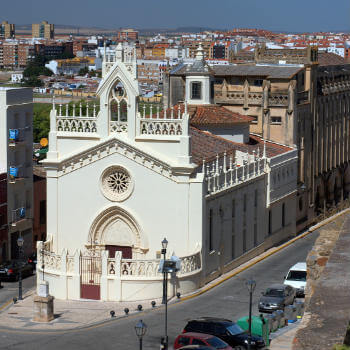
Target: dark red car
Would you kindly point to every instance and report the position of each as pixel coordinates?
(208, 340)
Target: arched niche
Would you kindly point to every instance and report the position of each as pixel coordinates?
(116, 227)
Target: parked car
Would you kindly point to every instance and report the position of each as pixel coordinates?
(9, 271)
(192, 338)
(228, 331)
(276, 297)
(32, 259)
(296, 278)
(195, 347)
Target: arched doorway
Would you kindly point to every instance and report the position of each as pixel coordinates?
(116, 230)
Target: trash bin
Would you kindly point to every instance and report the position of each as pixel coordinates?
(290, 313)
(280, 317)
(260, 326)
(299, 305)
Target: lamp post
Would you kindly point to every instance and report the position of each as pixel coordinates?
(20, 242)
(140, 330)
(165, 295)
(251, 284)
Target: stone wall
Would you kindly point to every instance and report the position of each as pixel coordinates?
(327, 302)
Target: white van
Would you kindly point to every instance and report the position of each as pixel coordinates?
(296, 278)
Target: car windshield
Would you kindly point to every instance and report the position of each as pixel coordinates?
(273, 292)
(217, 343)
(235, 329)
(297, 276)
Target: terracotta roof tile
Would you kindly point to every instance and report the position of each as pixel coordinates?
(205, 145)
(217, 115)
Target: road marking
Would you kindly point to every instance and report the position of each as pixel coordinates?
(202, 291)
(4, 306)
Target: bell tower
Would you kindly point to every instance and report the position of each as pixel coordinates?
(198, 81)
(118, 92)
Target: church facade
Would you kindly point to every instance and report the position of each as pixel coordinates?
(119, 180)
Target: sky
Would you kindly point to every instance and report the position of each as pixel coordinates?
(276, 15)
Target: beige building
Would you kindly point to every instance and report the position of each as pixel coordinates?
(300, 102)
(7, 30)
(43, 30)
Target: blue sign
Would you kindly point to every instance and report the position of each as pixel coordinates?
(13, 134)
(22, 212)
(13, 171)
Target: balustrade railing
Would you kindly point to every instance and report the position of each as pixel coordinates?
(224, 173)
(278, 100)
(77, 119)
(167, 122)
(115, 267)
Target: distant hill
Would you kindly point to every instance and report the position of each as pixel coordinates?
(74, 29)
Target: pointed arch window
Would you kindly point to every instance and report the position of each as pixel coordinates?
(118, 107)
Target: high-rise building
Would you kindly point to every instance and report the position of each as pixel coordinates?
(16, 170)
(43, 30)
(7, 31)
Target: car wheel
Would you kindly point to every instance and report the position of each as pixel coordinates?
(239, 347)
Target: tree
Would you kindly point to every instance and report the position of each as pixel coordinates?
(83, 71)
(41, 120)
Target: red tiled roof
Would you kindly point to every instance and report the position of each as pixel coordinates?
(217, 115)
(205, 145)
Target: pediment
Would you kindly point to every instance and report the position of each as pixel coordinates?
(109, 147)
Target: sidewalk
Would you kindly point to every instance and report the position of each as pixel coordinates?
(283, 338)
(69, 314)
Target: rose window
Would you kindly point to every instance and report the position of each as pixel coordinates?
(116, 183)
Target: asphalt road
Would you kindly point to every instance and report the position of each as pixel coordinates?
(229, 300)
(10, 289)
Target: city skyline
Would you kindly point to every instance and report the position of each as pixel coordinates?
(223, 14)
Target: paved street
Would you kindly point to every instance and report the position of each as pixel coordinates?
(10, 289)
(230, 300)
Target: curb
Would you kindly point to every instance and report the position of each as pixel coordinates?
(273, 251)
(185, 298)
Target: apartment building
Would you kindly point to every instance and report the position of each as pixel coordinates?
(128, 34)
(7, 30)
(10, 54)
(16, 144)
(43, 30)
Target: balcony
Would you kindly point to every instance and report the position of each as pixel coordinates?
(19, 215)
(16, 173)
(17, 136)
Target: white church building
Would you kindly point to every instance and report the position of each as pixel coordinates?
(120, 180)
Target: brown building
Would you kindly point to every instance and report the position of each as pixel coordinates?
(7, 31)
(128, 34)
(10, 54)
(43, 30)
(193, 47)
(304, 103)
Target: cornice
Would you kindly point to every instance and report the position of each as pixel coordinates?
(95, 153)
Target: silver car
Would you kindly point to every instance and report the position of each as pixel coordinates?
(276, 297)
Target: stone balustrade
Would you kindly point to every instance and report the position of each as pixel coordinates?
(169, 122)
(77, 118)
(223, 173)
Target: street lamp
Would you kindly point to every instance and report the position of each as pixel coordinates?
(165, 295)
(140, 330)
(251, 284)
(20, 242)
